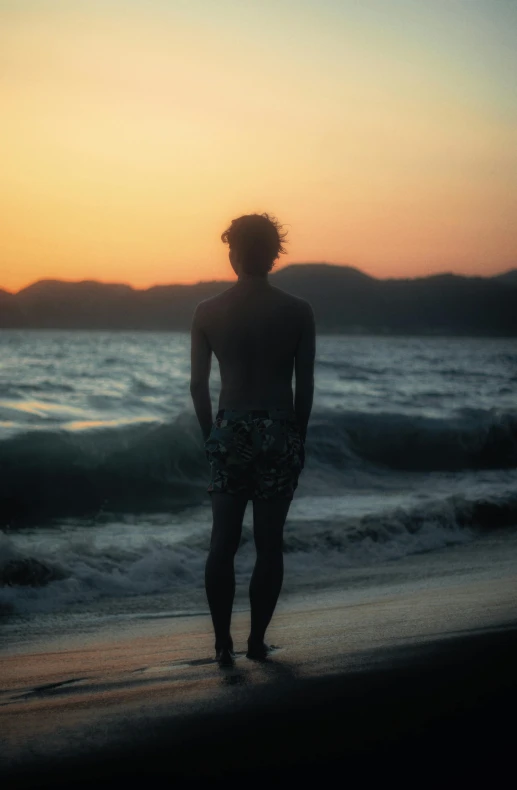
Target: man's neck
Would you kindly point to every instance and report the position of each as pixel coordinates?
(253, 279)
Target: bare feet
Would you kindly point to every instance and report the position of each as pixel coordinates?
(224, 654)
(259, 651)
(225, 657)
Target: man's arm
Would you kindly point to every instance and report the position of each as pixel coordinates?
(200, 363)
(304, 370)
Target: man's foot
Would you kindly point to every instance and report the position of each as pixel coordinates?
(225, 657)
(259, 651)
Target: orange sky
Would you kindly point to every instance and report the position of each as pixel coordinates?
(382, 133)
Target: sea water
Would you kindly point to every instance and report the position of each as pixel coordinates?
(411, 449)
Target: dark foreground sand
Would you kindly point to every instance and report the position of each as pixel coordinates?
(417, 687)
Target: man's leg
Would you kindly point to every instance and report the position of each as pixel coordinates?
(228, 512)
(266, 582)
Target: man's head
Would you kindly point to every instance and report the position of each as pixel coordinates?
(255, 242)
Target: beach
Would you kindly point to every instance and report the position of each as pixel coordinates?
(375, 684)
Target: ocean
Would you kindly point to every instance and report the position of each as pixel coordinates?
(411, 467)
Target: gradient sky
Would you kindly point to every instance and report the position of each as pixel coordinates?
(381, 132)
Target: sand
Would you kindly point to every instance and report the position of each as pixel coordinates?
(383, 684)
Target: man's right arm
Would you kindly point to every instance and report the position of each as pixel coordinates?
(304, 369)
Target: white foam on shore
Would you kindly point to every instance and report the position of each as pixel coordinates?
(89, 565)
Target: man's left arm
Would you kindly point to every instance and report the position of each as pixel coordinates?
(200, 364)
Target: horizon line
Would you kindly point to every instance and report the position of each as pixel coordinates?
(275, 271)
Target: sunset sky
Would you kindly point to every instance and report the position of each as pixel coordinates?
(381, 132)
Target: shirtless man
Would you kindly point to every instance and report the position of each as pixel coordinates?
(259, 334)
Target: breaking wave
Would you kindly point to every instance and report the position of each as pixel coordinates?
(84, 567)
(154, 466)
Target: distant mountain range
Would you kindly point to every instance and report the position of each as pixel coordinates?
(344, 300)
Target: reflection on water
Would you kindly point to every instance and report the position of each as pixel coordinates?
(81, 379)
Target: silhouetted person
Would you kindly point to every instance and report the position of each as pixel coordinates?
(255, 446)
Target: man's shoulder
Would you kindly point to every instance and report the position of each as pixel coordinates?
(206, 304)
(287, 301)
(296, 301)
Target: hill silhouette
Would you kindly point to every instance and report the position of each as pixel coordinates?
(344, 300)
(509, 277)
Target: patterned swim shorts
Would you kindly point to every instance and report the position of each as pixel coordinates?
(259, 453)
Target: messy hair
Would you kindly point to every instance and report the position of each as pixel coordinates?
(258, 241)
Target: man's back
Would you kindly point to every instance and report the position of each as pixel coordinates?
(254, 330)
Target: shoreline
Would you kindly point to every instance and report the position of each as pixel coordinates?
(479, 560)
(365, 685)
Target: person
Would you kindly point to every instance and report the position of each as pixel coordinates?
(259, 334)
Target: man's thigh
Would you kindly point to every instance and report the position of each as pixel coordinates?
(228, 508)
(269, 516)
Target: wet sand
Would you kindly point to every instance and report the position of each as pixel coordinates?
(409, 684)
